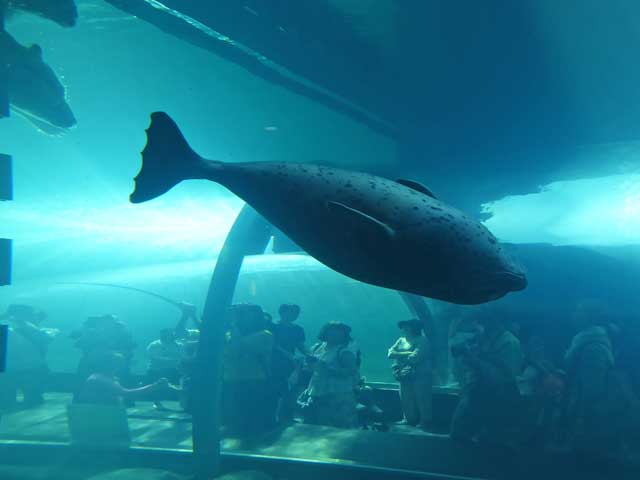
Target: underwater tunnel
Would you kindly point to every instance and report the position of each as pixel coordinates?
(522, 114)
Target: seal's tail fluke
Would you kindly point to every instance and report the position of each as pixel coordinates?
(167, 159)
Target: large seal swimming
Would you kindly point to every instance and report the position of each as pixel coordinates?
(393, 234)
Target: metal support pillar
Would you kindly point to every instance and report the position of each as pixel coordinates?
(249, 235)
(4, 333)
(6, 177)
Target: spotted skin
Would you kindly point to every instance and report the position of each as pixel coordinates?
(436, 251)
(369, 228)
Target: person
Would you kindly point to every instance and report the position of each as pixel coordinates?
(102, 386)
(370, 415)
(628, 356)
(99, 335)
(249, 403)
(165, 355)
(412, 368)
(186, 368)
(489, 397)
(183, 334)
(514, 326)
(27, 368)
(330, 399)
(463, 331)
(289, 338)
(594, 409)
(627, 361)
(187, 339)
(541, 386)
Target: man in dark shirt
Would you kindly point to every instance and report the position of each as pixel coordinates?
(288, 338)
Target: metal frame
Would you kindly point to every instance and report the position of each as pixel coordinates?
(6, 193)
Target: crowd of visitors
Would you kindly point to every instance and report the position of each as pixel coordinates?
(511, 392)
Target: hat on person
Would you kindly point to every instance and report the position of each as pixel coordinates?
(340, 326)
(412, 323)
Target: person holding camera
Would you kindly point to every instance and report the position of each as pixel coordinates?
(412, 367)
(488, 404)
(331, 398)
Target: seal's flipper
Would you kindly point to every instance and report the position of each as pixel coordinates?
(370, 233)
(167, 159)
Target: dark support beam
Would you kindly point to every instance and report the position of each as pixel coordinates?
(437, 330)
(4, 333)
(6, 178)
(4, 74)
(5, 261)
(6, 193)
(4, 91)
(249, 235)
